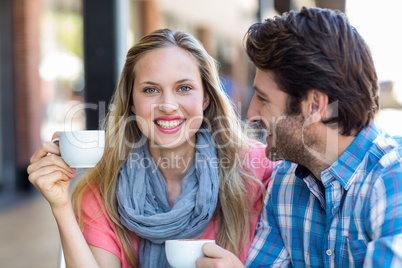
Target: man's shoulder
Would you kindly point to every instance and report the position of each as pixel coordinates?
(386, 159)
(391, 165)
(388, 149)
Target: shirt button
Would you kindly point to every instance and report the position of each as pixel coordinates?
(329, 252)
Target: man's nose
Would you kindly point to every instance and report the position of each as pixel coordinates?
(253, 114)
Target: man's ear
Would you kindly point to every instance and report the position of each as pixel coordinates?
(318, 103)
(206, 102)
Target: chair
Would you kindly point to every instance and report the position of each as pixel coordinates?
(61, 263)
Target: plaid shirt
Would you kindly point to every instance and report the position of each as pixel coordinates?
(359, 222)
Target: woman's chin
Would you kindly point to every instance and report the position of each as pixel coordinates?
(170, 144)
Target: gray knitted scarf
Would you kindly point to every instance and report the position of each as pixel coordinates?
(143, 200)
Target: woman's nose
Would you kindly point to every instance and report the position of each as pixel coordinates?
(168, 108)
(168, 103)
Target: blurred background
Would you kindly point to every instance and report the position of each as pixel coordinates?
(60, 62)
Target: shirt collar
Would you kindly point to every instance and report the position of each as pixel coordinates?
(347, 164)
(302, 172)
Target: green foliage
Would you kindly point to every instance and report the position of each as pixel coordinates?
(68, 30)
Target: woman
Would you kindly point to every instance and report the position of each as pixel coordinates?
(176, 164)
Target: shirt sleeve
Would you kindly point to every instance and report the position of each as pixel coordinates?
(385, 219)
(268, 249)
(98, 229)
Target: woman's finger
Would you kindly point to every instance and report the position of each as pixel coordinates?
(55, 135)
(47, 170)
(44, 150)
(54, 187)
(50, 160)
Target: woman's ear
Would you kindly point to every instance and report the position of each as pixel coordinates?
(206, 102)
(133, 109)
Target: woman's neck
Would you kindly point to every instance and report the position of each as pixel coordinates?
(173, 164)
(177, 160)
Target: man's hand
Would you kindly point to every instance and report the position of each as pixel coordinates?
(217, 257)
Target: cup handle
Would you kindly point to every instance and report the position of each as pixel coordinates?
(54, 140)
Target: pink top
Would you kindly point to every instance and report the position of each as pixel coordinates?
(99, 231)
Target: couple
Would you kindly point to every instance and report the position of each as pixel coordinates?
(336, 200)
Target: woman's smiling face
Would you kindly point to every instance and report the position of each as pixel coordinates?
(168, 97)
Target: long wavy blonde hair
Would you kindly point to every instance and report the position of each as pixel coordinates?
(235, 184)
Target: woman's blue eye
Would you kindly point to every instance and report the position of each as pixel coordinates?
(184, 89)
(150, 90)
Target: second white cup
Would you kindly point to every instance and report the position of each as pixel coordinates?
(182, 253)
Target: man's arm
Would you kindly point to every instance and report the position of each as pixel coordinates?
(385, 219)
(268, 249)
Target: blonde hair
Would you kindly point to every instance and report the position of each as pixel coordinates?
(235, 184)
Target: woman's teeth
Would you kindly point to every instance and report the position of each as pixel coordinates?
(169, 124)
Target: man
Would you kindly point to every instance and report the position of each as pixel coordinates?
(336, 200)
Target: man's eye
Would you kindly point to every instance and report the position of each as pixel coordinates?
(184, 89)
(260, 98)
(150, 90)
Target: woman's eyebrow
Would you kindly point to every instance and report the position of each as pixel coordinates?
(178, 81)
(185, 80)
(148, 83)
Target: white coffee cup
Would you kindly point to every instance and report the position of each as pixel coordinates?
(182, 253)
(81, 149)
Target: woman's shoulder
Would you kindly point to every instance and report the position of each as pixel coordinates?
(98, 228)
(92, 205)
(254, 159)
(91, 195)
(251, 147)
(254, 147)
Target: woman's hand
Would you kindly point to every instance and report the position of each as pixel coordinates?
(51, 175)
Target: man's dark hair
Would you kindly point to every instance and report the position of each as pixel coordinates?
(318, 49)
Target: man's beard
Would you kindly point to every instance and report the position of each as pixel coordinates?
(291, 141)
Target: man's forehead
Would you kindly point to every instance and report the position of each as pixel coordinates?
(259, 91)
(264, 82)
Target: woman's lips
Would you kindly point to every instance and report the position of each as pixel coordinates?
(169, 124)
